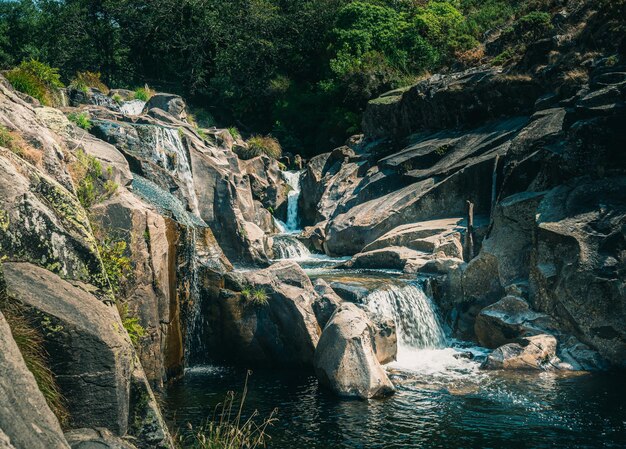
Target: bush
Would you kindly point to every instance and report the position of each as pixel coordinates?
(228, 430)
(234, 132)
(85, 80)
(81, 119)
(36, 79)
(29, 339)
(17, 145)
(87, 174)
(532, 26)
(134, 329)
(258, 145)
(144, 93)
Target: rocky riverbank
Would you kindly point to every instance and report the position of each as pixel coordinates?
(139, 244)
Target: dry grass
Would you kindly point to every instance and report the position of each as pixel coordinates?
(258, 145)
(85, 80)
(471, 57)
(14, 142)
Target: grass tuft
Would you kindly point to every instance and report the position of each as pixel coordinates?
(258, 145)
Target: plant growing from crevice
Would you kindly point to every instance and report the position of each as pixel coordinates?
(259, 145)
(132, 325)
(81, 119)
(117, 265)
(143, 93)
(29, 338)
(88, 176)
(227, 429)
(256, 296)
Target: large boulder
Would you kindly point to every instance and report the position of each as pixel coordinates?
(267, 183)
(531, 353)
(91, 356)
(267, 317)
(170, 103)
(345, 360)
(26, 422)
(508, 320)
(578, 263)
(393, 257)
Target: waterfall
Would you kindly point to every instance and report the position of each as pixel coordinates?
(171, 155)
(417, 323)
(287, 247)
(293, 180)
(133, 107)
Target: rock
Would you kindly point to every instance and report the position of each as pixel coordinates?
(100, 438)
(25, 419)
(578, 356)
(172, 104)
(326, 304)
(282, 331)
(531, 353)
(91, 355)
(578, 263)
(91, 96)
(393, 257)
(314, 236)
(267, 183)
(385, 339)
(445, 101)
(345, 360)
(508, 320)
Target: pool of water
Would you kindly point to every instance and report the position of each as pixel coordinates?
(441, 402)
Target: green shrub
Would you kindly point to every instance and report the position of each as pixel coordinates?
(88, 176)
(258, 145)
(36, 79)
(117, 264)
(134, 329)
(84, 80)
(234, 132)
(504, 57)
(228, 429)
(81, 119)
(144, 93)
(28, 336)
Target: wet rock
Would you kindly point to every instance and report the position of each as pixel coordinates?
(25, 419)
(99, 438)
(508, 320)
(385, 339)
(267, 183)
(531, 353)
(345, 360)
(91, 96)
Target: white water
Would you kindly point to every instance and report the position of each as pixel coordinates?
(171, 155)
(293, 180)
(288, 247)
(423, 347)
(133, 107)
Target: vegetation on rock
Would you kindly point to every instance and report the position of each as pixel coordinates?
(258, 145)
(87, 174)
(14, 142)
(36, 79)
(81, 119)
(85, 80)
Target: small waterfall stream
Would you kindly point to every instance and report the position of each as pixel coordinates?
(417, 324)
(289, 247)
(133, 107)
(293, 180)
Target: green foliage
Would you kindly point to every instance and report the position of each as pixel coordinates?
(228, 429)
(84, 80)
(36, 79)
(28, 336)
(134, 329)
(117, 264)
(81, 119)
(258, 145)
(88, 176)
(143, 93)
(532, 26)
(255, 295)
(234, 132)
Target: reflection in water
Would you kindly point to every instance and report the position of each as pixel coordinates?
(497, 410)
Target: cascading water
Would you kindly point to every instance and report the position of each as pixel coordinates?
(417, 323)
(133, 107)
(171, 155)
(293, 180)
(288, 247)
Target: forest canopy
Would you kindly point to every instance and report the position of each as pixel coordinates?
(301, 70)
